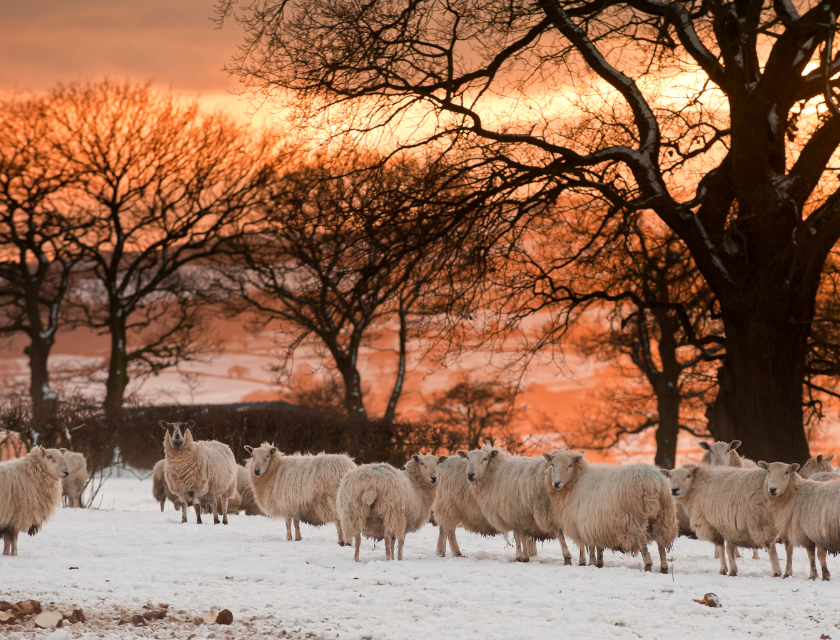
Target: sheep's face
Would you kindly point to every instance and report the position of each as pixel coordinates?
(428, 466)
(815, 465)
(720, 452)
(477, 462)
(562, 467)
(778, 477)
(52, 462)
(679, 481)
(260, 459)
(177, 431)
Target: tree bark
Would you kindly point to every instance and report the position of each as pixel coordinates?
(117, 375)
(353, 400)
(38, 351)
(668, 406)
(391, 410)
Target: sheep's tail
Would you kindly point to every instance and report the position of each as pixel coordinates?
(354, 513)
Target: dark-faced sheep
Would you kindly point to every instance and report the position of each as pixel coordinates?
(31, 492)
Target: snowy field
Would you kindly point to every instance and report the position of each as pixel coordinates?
(128, 553)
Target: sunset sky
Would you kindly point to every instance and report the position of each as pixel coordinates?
(173, 43)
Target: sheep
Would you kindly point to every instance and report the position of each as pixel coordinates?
(31, 490)
(74, 484)
(806, 514)
(198, 471)
(723, 454)
(455, 505)
(512, 495)
(728, 508)
(234, 505)
(825, 476)
(248, 502)
(619, 507)
(298, 487)
(160, 490)
(820, 465)
(382, 502)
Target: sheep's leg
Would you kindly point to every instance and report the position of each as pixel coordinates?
(288, 527)
(521, 547)
(720, 553)
(297, 530)
(402, 542)
(441, 543)
(389, 546)
(600, 564)
(593, 555)
(821, 556)
(341, 542)
(224, 510)
(532, 547)
(214, 508)
(755, 555)
(789, 555)
(663, 559)
(774, 559)
(811, 562)
(730, 552)
(162, 504)
(453, 545)
(12, 542)
(582, 556)
(737, 552)
(197, 506)
(183, 511)
(358, 544)
(7, 543)
(646, 557)
(567, 556)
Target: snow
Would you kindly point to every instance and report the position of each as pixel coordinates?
(128, 552)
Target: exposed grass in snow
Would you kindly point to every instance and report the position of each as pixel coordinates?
(135, 554)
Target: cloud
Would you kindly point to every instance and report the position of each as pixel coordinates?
(170, 42)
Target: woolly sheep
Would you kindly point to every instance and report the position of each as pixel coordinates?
(723, 454)
(160, 490)
(821, 465)
(74, 484)
(806, 514)
(31, 490)
(825, 476)
(298, 487)
(728, 508)
(382, 502)
(619, 507)
(512, 495)
(248, 501)
(234, 505)
(198, 471)
(455, 505)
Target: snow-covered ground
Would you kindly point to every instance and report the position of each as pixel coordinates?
(127, 553)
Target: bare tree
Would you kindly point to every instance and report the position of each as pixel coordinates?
(161, 183)
(739, 162)
(37, 255)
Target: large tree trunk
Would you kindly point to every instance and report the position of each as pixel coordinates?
(117, 376)
(391, 410)
(668, 404)
(353, 400)
(760, 397)
(42, 396)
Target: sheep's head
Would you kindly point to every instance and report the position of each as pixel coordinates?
(679, 480)
(815, 465)
(477, 462)
(427, 464)
(177, 431)
(720, 452)
(261, 458)
(52, 461)
(562, 465)
(778, 477)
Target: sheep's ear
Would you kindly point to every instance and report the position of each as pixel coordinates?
(703, 445)
(548, 457)
(273, 451)
(665, 473)
(494, 453)
(41, 451)
(415, 457)
(249, 449)
(578, 455)
(734, 445)
(819, 457)
(162, 424)
(461, 453)
(794, 467)
(63, 451)
(442, 459)
(190, 424)
(829, 458)
(763, 465)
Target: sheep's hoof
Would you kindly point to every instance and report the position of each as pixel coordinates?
(722, 571)
(216, 520)
(441, 555)
(567, 560)
(289, 537)
(298, 538)
(813, 576)
(224, 520)
(787, 575)
(777, 575)
(580, 564)
(458, 555)
(183, 520)
(599, 565)
(663, 569)
(826, 577)
(732, 573)
(525, 559)
(649, 567)
(198, 521)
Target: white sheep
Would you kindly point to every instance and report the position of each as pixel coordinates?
(806, 514)
(512, 495)
(619, 507)
(74, 484)
(160, 490)
(198, 471)
(819, 465)
(723, 454)
(385, 503)
(298, 487)
(455, 505)
(31, 492)
(248, 501)
(728, 508)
